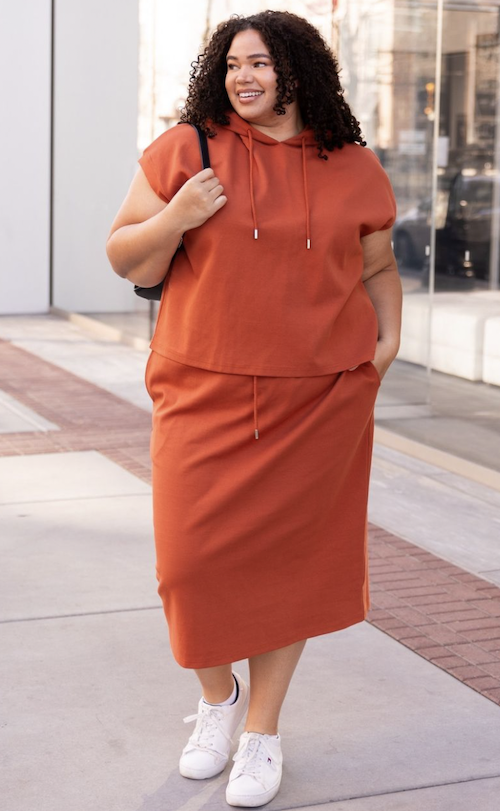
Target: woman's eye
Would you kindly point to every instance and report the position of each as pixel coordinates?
(232, 66)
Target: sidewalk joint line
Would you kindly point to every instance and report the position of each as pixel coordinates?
(388, 793)
(81, 614)
(71, 498)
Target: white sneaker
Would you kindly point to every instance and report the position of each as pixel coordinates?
(207, 751)
(256, 775)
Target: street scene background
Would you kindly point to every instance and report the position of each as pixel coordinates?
(397, 713)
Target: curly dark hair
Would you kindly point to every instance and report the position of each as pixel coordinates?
(299, 52)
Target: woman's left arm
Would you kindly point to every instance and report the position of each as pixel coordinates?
(383, 285)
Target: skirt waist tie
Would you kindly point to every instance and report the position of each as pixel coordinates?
(255, 415)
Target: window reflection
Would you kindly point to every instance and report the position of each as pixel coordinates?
(465, 221)
(387, 53)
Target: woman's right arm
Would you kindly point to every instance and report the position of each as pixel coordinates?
(146, 231)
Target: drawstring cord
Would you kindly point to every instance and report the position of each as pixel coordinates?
(255, 423)
(252, 198)
(306, 195)
(252, 194)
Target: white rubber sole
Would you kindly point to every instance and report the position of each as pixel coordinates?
(252, 800)
(201, 774)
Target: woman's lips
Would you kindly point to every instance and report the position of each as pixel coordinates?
(244, 99)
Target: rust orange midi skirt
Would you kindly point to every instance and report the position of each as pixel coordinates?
(260, 542)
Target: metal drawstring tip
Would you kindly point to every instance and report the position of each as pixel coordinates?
(308, 244)
(256, 233)
(256, 432)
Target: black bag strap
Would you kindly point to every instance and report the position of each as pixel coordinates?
(202, 138)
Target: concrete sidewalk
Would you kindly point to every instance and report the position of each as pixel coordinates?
(93, 700)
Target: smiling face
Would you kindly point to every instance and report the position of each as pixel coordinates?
(251, 85)
(251, 78)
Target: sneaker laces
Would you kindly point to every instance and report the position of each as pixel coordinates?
(207, 724)
(256, 754)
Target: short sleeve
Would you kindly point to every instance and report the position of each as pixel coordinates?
(147, 163)
(170, 160)
(379, 208)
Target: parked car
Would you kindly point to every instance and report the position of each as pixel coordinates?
(468, 222)
(463, 227)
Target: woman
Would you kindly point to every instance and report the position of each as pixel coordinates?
(279, 318)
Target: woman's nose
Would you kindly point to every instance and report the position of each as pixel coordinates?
(244, 74)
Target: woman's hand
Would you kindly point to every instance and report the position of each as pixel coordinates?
(146, 231)
(383, 285)
(384, 356)
(197, 200)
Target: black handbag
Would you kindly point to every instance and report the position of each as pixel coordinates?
(154, 293)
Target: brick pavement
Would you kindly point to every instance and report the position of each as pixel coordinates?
(89, 418)
(442, 612)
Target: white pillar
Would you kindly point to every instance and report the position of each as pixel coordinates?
(95, 147)
(25, 69)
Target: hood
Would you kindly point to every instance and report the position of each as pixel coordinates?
(249, 136)
(245, 130)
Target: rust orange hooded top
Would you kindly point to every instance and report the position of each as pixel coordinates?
(271, 284)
